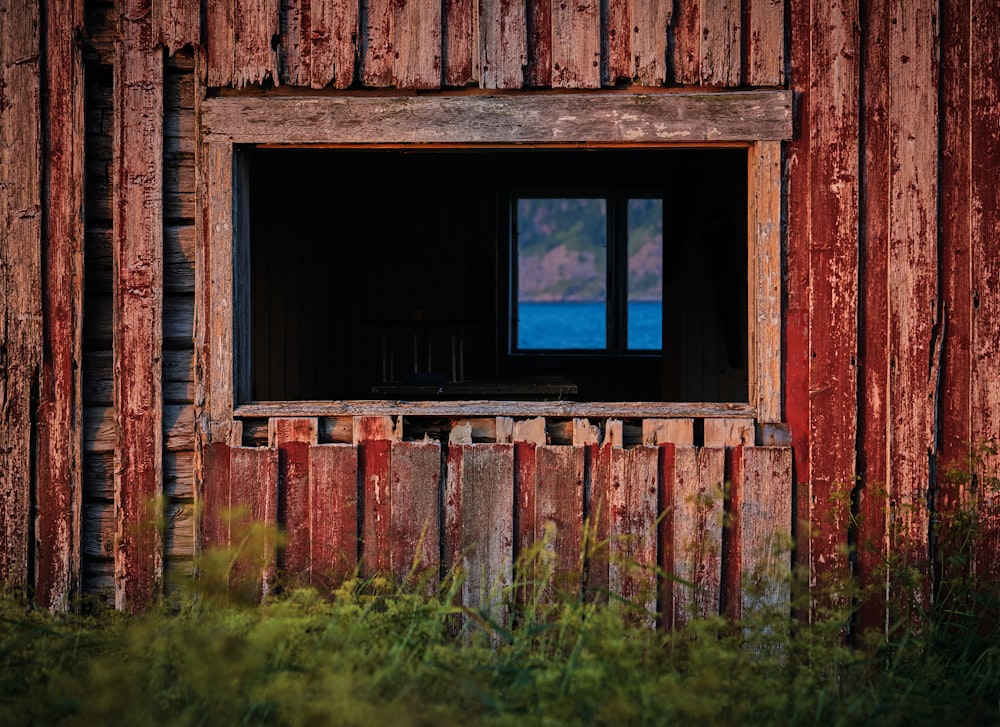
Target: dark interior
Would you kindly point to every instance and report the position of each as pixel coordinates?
(385, 274)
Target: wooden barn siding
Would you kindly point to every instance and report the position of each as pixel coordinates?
(430, 44)
(890, 94)
(417, 508)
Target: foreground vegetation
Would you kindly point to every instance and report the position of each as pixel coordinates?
(376, 654)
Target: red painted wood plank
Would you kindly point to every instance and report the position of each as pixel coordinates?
(253, 506)
(178, 23)
(985, 92)
(873, 413)
(765, 64)
(461, 56)
(20, 280)
(255, 60)
(219, 42)
(833, 281)
(618, 33)
(576, 45)
(415, 531)
(334, 38)
(666, 505)
(138, 303)
(214, 522)
(377, 56)
(376, 467)
(633, 533)
(538, 17)
(524, 509)
(795, 313)
(955, 401)
(597, 481)
(417, 44)
(292, 437)
(299, 19)
(720, 42)
(649, 29)
(687, 42)
(60, 416)
(559, 514)
(914, 320)
(333, 483)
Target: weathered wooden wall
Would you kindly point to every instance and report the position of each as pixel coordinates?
(892, 266)
(892, 244)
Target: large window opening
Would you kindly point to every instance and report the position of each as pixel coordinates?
(596, 275)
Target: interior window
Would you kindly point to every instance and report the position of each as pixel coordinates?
(589, 273)
(597, 275)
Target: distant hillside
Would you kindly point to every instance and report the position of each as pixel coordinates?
(561, 249)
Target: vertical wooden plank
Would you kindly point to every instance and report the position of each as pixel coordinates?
(914, 321)
(333, 487)
(765, 521)
(138, 304)
(486, 524)
(461, 43)
(729, 432)
(538, 17)
(651, 21)
(214, 523)
(216, 351)
(687, 42)
(665, 538)
(764, 270)
(833, 283)
(417, 43)
(60, 416)
(632, 525)
(697, 532)
(597, 504)
(795, 324)
(502, 44)
(576, 44)
(559, 508)
(20, 280)
(374, 436)
(527, 436)
(415, 531)
(334, 39)
(616, 37)
(253, 502)
(765, 65)
(985, 91)
(661, 431)
(873, 414)
(292, 436)
(299, 20)
(255, 59)
(377, 49)
(178, 23)
(219, 42)
(720, 42)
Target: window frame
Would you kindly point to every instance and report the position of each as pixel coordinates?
(755, 120)
(616, 274)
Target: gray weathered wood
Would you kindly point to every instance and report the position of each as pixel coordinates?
(655, 119)
(576, 44)
(503, 41)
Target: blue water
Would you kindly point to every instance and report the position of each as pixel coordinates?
(581, 326)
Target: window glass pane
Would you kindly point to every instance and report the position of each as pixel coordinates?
(645, 274)
(561, 274)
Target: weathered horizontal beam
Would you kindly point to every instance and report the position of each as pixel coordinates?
(585, 118)
(589, 409)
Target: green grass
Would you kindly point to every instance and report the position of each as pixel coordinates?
(374, 654)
